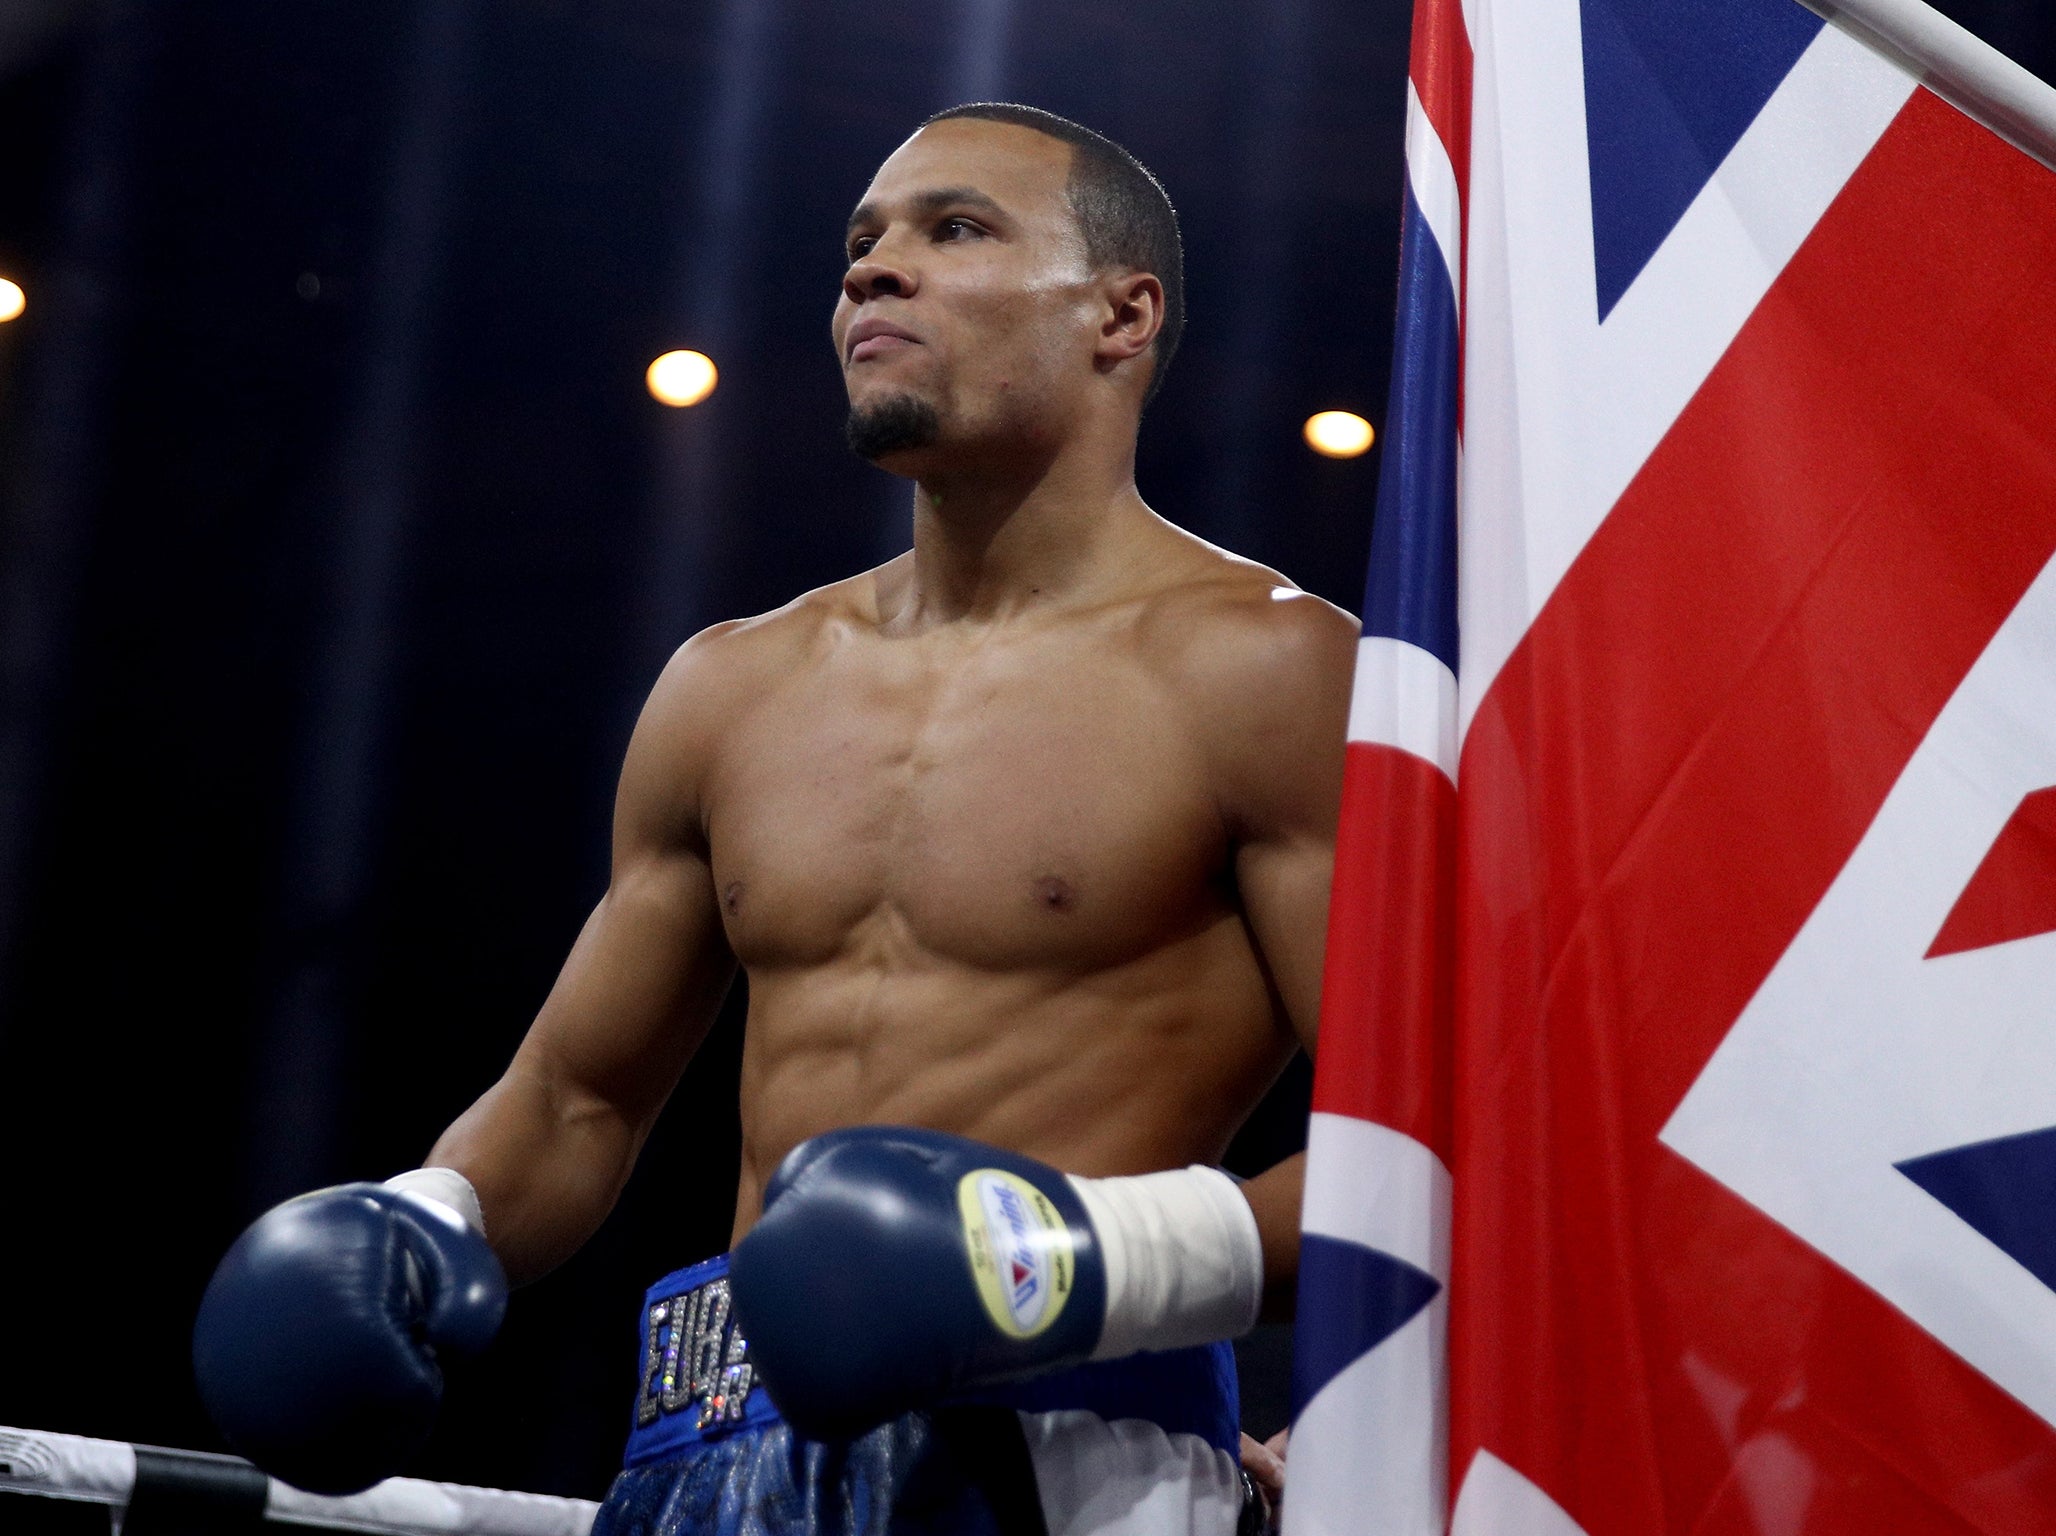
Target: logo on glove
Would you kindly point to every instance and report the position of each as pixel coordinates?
(1020, 1250)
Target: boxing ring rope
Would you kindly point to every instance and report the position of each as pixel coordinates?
(142, 1485)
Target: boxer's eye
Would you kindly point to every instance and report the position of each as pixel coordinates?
(956, 229)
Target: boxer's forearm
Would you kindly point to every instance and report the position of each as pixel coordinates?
(1275, 1196)
(549, 1146)
(548, 1164)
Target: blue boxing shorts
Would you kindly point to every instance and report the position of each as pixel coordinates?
(1145, 1446)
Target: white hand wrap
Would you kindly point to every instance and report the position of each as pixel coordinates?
(1184, 1261)
(446, 1187)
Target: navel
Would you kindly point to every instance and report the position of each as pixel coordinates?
(731, 897)
(1053, 893)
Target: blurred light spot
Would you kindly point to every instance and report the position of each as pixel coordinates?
(12, 300)
(1338, 434)
(682, 378)
(308, 286)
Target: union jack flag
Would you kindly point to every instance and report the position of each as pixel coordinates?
(1683, 1155)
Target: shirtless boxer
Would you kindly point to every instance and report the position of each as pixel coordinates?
(1024, 837)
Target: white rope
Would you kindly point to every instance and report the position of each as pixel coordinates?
(104, 1472)
(406, 1506)
(66, 1466)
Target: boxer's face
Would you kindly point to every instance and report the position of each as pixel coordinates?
(969, 315)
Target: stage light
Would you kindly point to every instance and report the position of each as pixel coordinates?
(682, 378)
(1338, 434)
(12, 300)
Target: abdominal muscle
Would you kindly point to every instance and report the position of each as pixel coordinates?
(1149, 1064)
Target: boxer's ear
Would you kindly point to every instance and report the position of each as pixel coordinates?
(1133, 314)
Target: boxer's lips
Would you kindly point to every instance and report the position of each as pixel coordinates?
(877, 338)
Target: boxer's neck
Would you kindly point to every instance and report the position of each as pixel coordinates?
(991, 542)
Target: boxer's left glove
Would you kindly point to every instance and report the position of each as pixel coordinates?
(895, 1267)
(319, 1341)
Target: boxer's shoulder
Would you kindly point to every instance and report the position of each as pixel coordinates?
(1262, 671)
(736, 663)
(1237, 634)
(710, 686)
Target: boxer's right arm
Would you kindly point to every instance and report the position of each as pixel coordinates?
(320, 1343)
(549, 1146)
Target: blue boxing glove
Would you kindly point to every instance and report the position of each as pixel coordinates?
(319, 1341)
(894, 1268)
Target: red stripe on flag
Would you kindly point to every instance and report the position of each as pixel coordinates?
(2012, 895)
(1659, 787)
(1440, 68)
(1385, 992)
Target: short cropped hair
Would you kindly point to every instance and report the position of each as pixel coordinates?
(1123, 212)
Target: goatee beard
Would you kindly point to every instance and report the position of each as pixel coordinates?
(891, 424)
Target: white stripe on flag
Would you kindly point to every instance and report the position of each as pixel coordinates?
(1432, 177)
(1860, 1051)
(1368, 1452)
(1957, 66)
(1498, 1501)
(1560, 411)
(1404, 697)
(1370, 1184)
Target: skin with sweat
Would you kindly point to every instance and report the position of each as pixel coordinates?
(1025, 835)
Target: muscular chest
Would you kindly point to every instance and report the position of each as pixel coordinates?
(1044, 806)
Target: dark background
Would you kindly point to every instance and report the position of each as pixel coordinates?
(341, 543)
